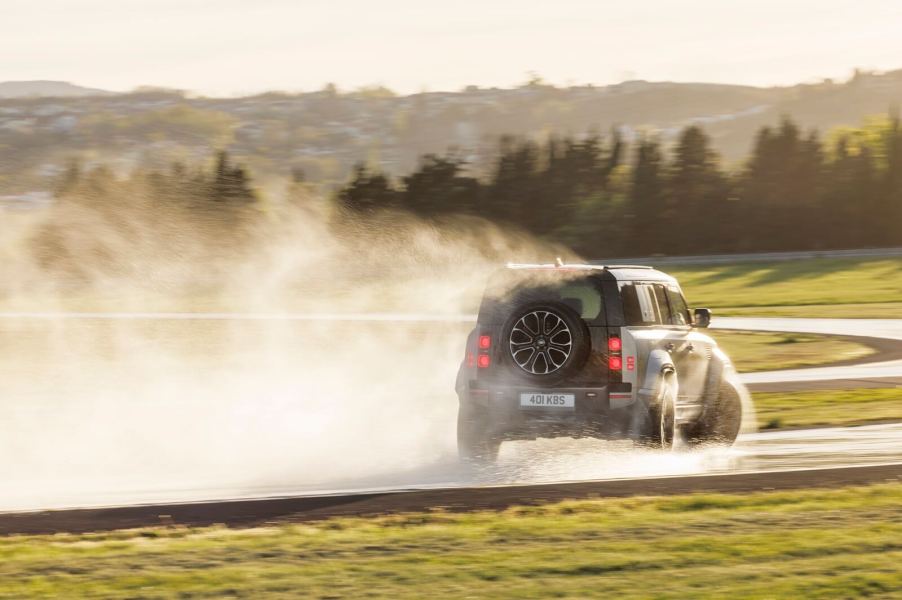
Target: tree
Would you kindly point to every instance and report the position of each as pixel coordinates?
(647, 195)
(368, 192)
(696, 194)
(512, 195)
(850, 195)
(231, 183)
(892, 183)
(439, 187)
(782, 186)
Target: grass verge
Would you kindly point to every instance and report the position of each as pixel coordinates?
(777, 410)
(753, 351)
(871, 310)
(824, 543)
(746, 288)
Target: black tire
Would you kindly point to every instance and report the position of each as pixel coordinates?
(721, 424)
(475, 444)
(655, 424)
(579, 339)
(667, 430)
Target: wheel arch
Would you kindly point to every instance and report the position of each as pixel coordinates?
(658, 369)
(719, 368)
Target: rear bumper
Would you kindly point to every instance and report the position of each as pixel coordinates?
(595, 412)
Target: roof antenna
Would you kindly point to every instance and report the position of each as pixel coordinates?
(558, 262)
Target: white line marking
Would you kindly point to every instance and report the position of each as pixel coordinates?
(225, 316)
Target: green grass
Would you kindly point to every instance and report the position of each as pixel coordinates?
(823, 287)
(809, 283)
(825, 543)
(752, 351)
(827, 407)
(873, 310)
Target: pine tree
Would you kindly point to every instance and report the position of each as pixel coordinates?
(647, 195)
(368, 192)
(231, 183)
(697, 191)
(892, 186)
(439, 187)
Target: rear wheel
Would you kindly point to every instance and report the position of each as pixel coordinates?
(721, 424)
(667, 418)
(475, 444)
(655, 425)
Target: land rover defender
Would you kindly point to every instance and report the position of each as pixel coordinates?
(590, 350)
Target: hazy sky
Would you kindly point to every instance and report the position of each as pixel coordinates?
(240, 46)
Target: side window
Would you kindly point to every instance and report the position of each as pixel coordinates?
(632, 314)
(678, 306)
(663, 306)
(640, 306)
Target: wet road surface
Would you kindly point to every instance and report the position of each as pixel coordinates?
(81, 463)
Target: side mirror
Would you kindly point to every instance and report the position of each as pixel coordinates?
(702, 318)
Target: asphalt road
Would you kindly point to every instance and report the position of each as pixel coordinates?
(245, 513)
(843, 451)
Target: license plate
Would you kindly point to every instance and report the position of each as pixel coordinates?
(535, 400)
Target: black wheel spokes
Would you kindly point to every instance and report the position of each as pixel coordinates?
(560, 327)
(531, 324)
(561, 356)
(517, 354)
(520, 338)
(535, 366)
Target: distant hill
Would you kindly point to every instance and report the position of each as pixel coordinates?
(320, 135)
(55, 89)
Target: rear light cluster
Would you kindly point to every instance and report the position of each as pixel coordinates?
(483, 360)
(615, 347)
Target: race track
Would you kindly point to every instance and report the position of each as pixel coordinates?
(843, 451)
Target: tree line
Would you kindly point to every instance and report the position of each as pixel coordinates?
(603, 197)
(110, 225)
(224, 184)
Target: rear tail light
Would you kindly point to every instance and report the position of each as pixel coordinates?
(482, 357)
(615, 360)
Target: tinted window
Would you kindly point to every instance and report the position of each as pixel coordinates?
(508, 290)
(678, 306)
(663, 305)
(584, 297)
(640, 304)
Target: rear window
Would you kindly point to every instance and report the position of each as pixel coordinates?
(584, 297)
(505, 292)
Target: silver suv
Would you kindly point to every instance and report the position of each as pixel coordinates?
(588, 350)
